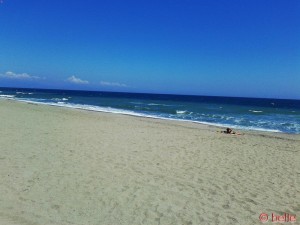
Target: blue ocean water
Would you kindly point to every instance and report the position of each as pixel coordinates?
(275, 115)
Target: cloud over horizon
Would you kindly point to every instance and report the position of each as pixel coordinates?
(24, 76)
(115, 84)
(76, 80)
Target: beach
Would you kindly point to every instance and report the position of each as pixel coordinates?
(69, 166)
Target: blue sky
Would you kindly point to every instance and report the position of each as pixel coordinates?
(245, 48)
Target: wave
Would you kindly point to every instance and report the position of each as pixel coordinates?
(91, 108)
(255, 111)
(23, 93)
(154, 104)
(59, 99)
(159, 104)
(7, 96)
(181, 111)
(150, 104)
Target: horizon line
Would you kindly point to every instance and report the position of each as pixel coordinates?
(145, 93)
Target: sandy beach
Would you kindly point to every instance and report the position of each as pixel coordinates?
(66, 166)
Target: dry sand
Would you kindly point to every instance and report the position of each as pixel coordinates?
(67, 166)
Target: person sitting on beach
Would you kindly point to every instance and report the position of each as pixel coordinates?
(230, 131)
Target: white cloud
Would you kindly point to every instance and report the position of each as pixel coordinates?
(12, 75)
(115, 84)
(76, 80)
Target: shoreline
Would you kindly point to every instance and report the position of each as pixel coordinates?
(240, 129)
(70, 166)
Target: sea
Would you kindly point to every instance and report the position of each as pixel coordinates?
(262, 114)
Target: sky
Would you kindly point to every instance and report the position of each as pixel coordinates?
(246, 48)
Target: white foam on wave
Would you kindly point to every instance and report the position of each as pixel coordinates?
(159, 104)
(23, 93)
(151, 104)
(238, 127)
(154, 104)
(256, 128)
(255, 111)
(181, 111)
(89, 107)
(7, 96)
(59, 99)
